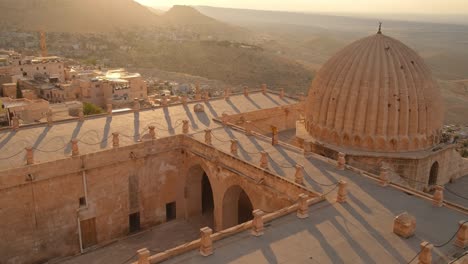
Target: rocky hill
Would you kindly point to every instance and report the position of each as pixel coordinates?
(74, 15)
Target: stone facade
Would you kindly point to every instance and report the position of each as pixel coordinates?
(50, 207)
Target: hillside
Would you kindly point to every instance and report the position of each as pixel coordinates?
(189, 18)
(73, 15)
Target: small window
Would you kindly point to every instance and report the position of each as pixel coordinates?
(21, 69)
(171, 211)
(59, 66)
(37, 68)
(82, 201)
(44, 67)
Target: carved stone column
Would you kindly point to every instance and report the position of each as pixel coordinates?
(342, 192)
(74, 147)
(143, 256)
(257, 222)
(206, 243)
(303, 208)
(299, 175)
(115, 139)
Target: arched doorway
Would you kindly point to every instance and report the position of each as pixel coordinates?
(199, 198)
(433, 174)
(237, 207)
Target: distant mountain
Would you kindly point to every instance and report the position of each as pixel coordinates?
(189, 17)
(74, 15)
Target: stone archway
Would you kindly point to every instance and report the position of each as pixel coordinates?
(199, 199)
(433, 174)
(237, 207)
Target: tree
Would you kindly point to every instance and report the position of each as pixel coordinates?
(19, 93)
(91, 109)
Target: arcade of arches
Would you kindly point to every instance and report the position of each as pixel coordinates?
(233, 204)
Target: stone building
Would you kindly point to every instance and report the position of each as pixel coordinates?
(29, 67)
(376, 102)
(215, 180)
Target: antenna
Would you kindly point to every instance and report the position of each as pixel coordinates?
(43, 43)
(380, 28)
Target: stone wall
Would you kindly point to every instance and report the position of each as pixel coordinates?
(45, 207)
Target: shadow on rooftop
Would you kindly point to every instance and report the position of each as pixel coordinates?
(75, 133)
(233, 106)
(136, 126)
(167, 116)
(105, 135)
(203, 118)
(253, 102)
(212, 111)
(271, 99)
(190, 117)
(41, 136)
(5, 140)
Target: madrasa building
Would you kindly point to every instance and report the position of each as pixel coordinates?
(251, 177)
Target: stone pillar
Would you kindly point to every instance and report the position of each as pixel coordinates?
(383, 175)
(462, 234)
(264, 160)
(164, 101)
(15, 122)
(80, 115)
(50, 120)
(303, 208)
(425, 257)
(248, 128)
(184, 99)
(206, 96)
(341, 161)
(206, 243)
(136, 105)
(197, 92)
(224, 118)
(342, 192)
(257, 223)
(264, 89)
(246, 91)
(185, 126)
(307, 148)
(438, 198)
(109, 109)
(151, 132)
(274, 135)
(143, 256)
(208, 136)
(404, 225)
(115, 139)
(234, 143)
(29, 156)
(299, 175)
(226, 93)
(74, 147)
(281, 93)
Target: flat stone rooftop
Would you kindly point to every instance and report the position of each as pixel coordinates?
(95, 133)
(359, 231)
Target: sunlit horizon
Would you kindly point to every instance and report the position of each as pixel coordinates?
(428, 7)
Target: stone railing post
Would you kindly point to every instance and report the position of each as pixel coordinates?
(248, 128)
(208, 136)
(299, 175)
(303, 207)
(206, 243)
(50, 120)
(274, 135)
(115, 139)
(264, 160)
(342, 192)
(206, 96)
(341, 161)
(226, 94)
(15, 122)
(143, 256)
(74, 147)
(307, 148)
(80, 115)
(264, 89)
(29, 156)
(184, 99)
(383, 175)
(164, 101)
(109, 109)
(425, 257)
(152, 132)
(234, 143)
(438, 198)
(246, 91)
(185, 126)
(462, 235)
(136, 105)
(257, 222)
(281, 93)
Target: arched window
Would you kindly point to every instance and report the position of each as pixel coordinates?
(433, 174)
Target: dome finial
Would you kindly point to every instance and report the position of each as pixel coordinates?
(380, 28)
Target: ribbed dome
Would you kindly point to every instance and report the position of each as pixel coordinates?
(376, 94)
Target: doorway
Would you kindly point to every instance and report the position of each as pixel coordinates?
(433, 174)
(88, 232)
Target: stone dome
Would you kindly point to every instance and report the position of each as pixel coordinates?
(376, 94)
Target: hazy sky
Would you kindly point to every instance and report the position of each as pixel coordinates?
(341, 6)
